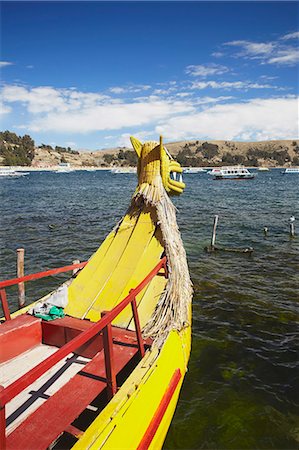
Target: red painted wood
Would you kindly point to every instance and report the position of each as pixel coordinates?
(19, 385)
(19, 335)
(36, 276)
(159, 414)
(109, 360)
(74, 431)
(137, 328)
(2, 425)
(4, 304)
(59, 332)
(40, 429)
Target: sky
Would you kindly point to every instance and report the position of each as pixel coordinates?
(89, 74)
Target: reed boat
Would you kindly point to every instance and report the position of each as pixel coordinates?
(108, 374)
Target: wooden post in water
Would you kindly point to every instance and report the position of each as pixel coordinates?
(20, 273)
(292, 226)
(213, 240)
(76, 261)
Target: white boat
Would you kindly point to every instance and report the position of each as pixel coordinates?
(291, 170)
(263, 169)
(117, 170)
(194, 170)
(231, 173)
(8, 172)
(64, 168)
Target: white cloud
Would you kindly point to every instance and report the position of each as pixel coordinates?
(46, 99)
(253, 48)
(276, 52)
(5, 63)
(71, 144)
(117, 90)
(130, 89)
(4, 109)
(124, 139)
(258, 119)
(207, 100)
(228, 85)
(218, 54)
(294, 35)
(285, 57)
(205, 70)
(109, 116)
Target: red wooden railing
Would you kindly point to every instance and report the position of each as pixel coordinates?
(31, 277)
(103, 325)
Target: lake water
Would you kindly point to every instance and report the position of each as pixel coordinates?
(240, 390)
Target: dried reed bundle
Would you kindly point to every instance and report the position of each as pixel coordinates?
(172, 310)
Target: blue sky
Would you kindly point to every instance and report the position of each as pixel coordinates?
(89, 74)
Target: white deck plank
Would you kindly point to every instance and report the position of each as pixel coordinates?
(30, 399)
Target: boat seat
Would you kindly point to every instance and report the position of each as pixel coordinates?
(55, 415)
(59, 332)
(18, 336)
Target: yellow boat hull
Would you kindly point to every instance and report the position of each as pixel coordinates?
(143, 408)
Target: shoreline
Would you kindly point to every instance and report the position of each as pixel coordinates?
(129, 168)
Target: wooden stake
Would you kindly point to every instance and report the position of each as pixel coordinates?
(292, 226)
(20, 273)
(213, 240)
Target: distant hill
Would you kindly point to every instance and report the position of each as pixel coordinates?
(21, 151)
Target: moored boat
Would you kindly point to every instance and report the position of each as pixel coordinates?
(11, 173)
(194, 170)
(231, 173)
(108, 371)
(291, 171)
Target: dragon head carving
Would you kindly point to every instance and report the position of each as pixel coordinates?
(155, 164)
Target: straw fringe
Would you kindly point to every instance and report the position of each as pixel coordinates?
(172, 310)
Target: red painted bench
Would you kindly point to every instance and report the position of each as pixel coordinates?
(59, 332)
(56, 415)
(19, 335)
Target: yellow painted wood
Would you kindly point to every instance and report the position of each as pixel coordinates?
(86, 287)
(123, 423)
(113, 288)
(149, 296)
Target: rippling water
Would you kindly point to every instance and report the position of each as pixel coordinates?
(240, 391)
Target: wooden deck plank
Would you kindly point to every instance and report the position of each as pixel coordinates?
(40, 429)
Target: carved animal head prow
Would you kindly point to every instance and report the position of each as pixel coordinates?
(156, 163)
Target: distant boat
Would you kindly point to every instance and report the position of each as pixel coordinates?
(231, 173)
(11, 173)
(263, 169)
(64, 168)
(194, 170)
(291, 170)
(117, 170)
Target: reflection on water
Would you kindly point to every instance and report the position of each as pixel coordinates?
(240, 390)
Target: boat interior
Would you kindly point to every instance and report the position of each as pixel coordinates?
(56, 409)
(57, 376)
